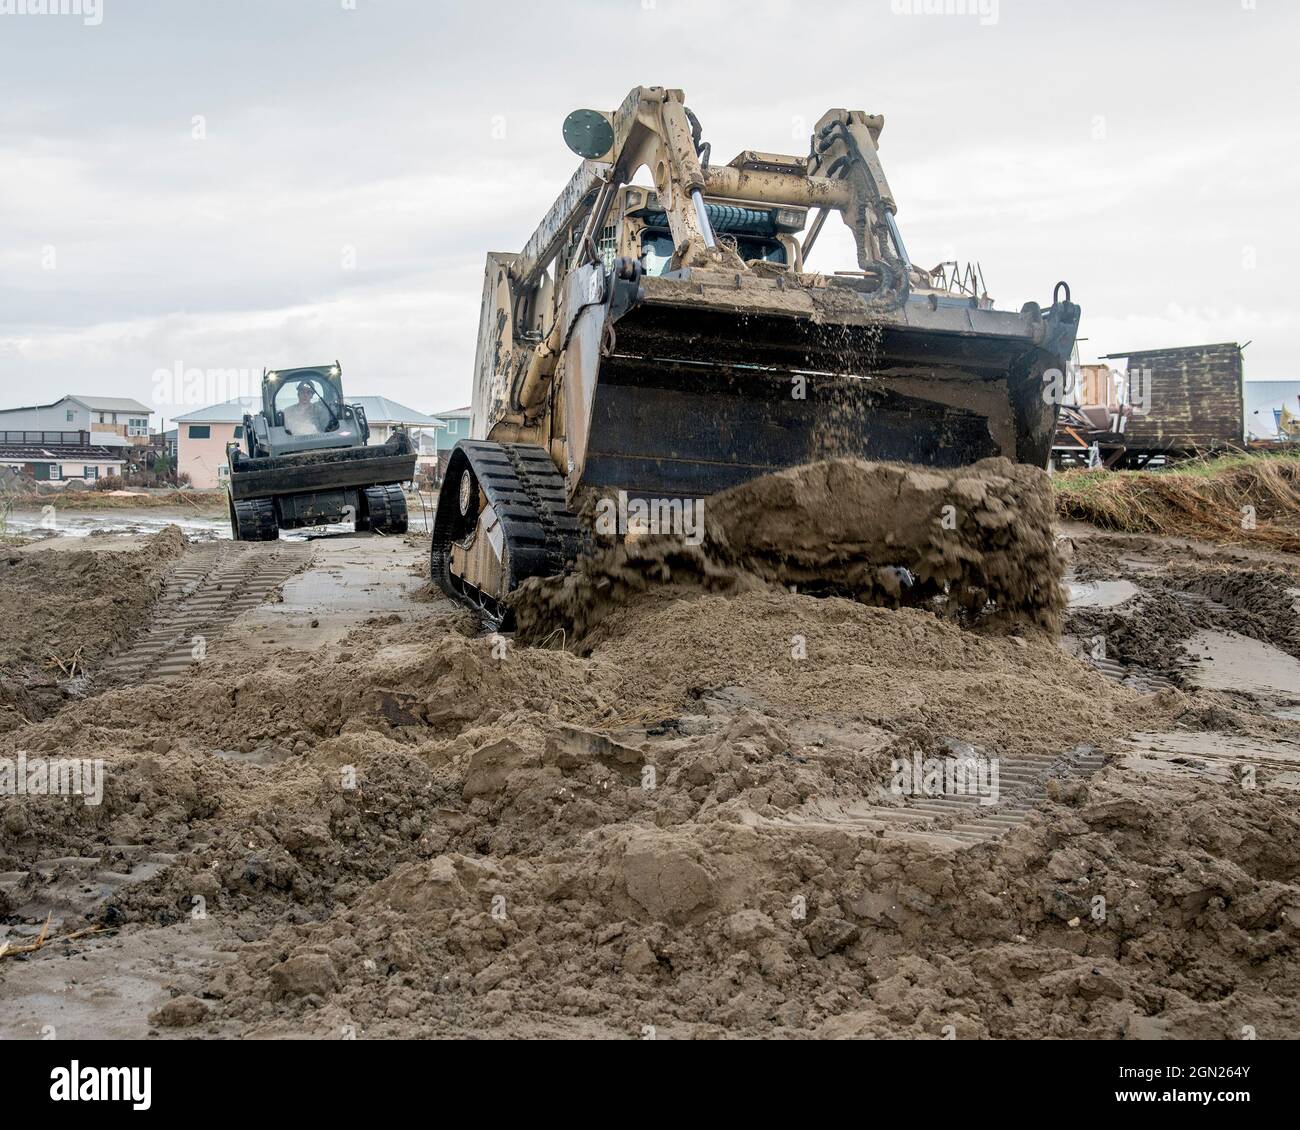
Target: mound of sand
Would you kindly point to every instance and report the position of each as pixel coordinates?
(438, 833)
(977, 543)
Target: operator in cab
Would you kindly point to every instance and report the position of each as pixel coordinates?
(308, 417)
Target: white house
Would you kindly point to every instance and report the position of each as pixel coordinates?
(384, 415)
(113, 421)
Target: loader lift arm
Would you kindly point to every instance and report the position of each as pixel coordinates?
(654, 129)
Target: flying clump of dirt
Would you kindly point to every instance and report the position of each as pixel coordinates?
(976, 543)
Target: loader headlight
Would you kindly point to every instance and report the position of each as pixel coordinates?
(588, 133)
(790, 219)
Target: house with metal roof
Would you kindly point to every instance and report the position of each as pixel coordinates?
(202, 435)
(112, 421)
(457, 421)
(57, 457)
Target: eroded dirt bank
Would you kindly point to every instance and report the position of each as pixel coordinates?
(683, 823)
(63, 611)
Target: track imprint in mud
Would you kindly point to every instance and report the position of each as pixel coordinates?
(961, 820)
(1157, 617)
(213, 585)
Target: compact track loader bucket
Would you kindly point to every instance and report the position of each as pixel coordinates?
(693, 400)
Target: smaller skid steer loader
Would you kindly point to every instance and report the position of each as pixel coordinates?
(306, 462)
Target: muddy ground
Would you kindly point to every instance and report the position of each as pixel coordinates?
(352, 812)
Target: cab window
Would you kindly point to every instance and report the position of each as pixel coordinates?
(657, 250)
(287, 394)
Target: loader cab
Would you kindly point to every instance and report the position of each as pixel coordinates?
(657, 250)
(315, 418)
(281, 391)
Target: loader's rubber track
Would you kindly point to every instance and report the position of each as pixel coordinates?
(253, 519)
(527, 493)
(211, 586)
(384, 510)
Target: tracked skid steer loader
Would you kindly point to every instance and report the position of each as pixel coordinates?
(306, 461)
(671, 341)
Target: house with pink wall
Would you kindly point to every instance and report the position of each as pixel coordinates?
(201, 438)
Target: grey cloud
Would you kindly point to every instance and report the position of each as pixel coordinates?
(374, 129)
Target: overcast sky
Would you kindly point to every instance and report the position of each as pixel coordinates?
(275, 182)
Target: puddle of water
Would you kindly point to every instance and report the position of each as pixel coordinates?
(1140, 564)
(310, 533)
(351, 579)
(73, 524)
(1101, 594)
(1226, 661)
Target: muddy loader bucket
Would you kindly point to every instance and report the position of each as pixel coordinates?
(691, 401)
